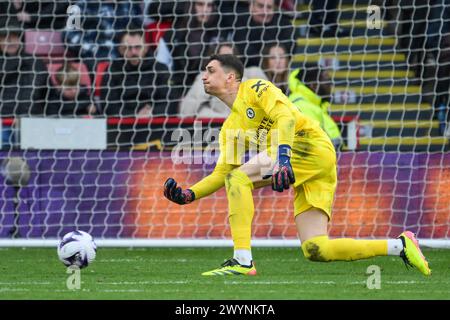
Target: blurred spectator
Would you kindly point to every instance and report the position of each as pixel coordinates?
(42, 14)
(313, 83)
(136, 84)
(324, 20)
(276, 66)
(260, 25)
(309, 91)
(23, 78)
(101, 20)
(68, 96)
(197, 103)
(189, 43)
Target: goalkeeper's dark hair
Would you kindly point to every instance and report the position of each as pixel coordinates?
(230, 61)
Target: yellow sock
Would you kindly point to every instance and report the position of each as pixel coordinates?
(241, 208)
(323, 249)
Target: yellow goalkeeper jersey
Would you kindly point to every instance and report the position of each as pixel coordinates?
(261, 115)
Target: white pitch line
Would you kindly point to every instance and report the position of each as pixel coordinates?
(278, 282)
(119, 260)
(141, 260)
(13, 289)
(25, 283)
(402, 282)
(143, 282)
(122, 291)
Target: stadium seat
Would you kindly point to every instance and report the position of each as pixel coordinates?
(84, 73)
(44, 43)
(100, 71)
(155, 31)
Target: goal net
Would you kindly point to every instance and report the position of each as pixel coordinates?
(102, 101)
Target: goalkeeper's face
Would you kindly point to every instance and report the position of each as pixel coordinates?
(215, 78)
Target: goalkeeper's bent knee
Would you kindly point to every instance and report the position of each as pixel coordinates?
(235, 178)
(316, 249)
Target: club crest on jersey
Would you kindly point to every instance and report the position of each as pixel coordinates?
(250, 113)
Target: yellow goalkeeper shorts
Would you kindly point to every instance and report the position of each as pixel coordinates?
(314, 163)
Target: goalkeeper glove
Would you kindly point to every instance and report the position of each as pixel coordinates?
(282, 175)
(176, 194)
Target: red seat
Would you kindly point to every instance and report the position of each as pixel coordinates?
(99, 72)
(155, 31)
(44, 43)
(85, 80)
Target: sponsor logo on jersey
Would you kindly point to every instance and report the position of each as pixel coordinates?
(262, 91)
(257, 85)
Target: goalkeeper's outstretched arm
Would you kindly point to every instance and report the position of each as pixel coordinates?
(203, 188)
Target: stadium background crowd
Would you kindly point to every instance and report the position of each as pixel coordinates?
(143, 59)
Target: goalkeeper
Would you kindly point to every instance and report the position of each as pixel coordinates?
(299, 154)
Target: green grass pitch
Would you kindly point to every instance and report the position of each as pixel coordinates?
(157, 273)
